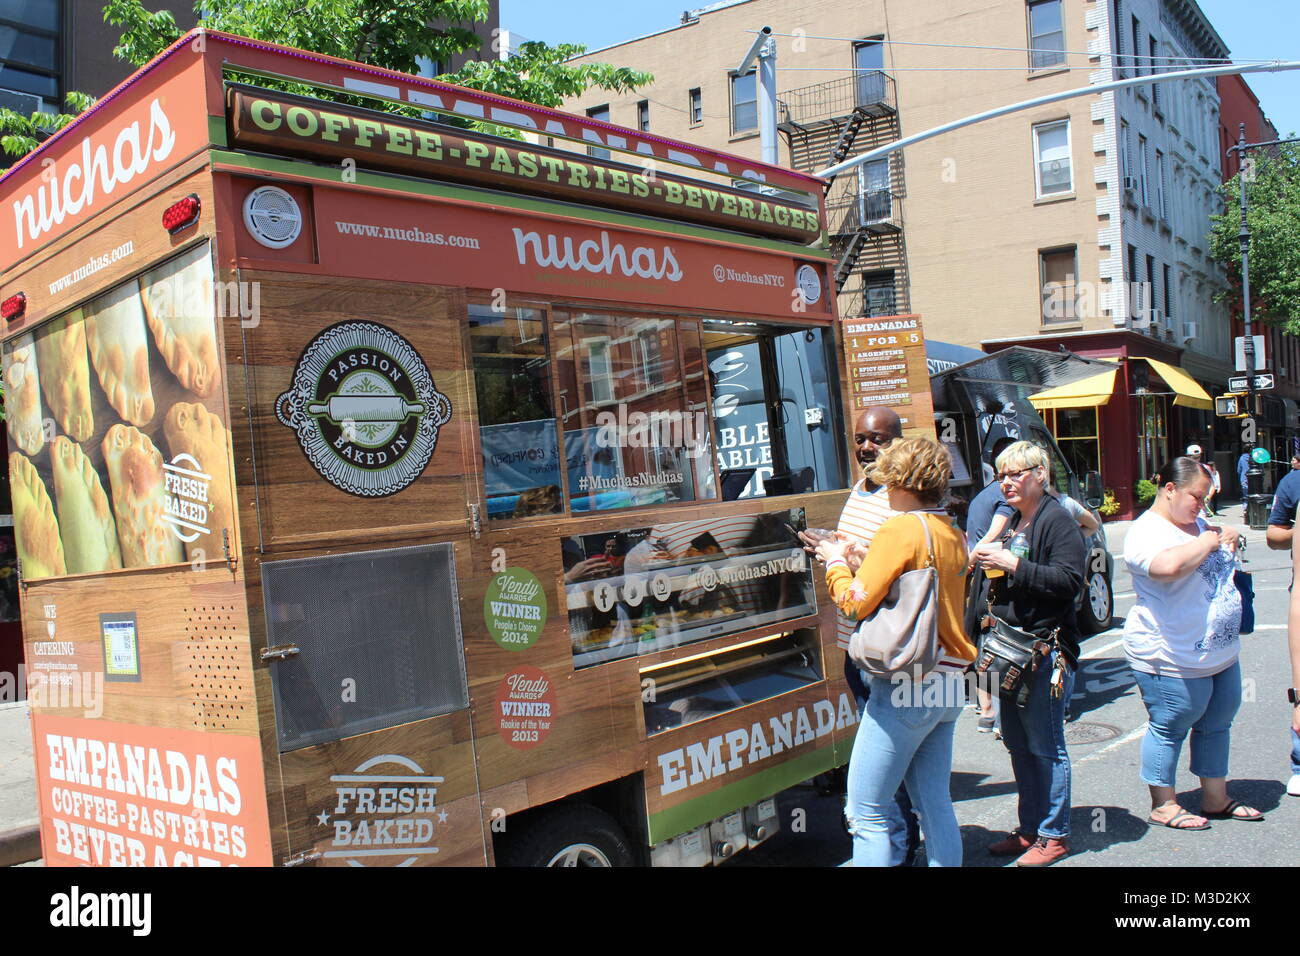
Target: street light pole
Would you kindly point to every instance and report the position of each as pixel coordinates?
(1254, 473)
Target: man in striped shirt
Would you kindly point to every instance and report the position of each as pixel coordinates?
(865, 511)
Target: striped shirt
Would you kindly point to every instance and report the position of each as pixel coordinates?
(863, 513)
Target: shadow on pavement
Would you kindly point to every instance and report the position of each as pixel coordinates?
(1092, 829)
(967, 785)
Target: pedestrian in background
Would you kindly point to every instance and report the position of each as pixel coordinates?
(1243, 466)
(1039, 575)
(905, 734)
(1182, 642)
(1293, 692)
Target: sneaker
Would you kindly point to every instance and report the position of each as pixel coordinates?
(1293, 787)
(1045, 852)
(1017, 842)
(985, 725)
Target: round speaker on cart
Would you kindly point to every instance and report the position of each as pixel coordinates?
(272, 216)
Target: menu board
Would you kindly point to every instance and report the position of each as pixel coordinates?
(885, 357)
(648, 589)
(118, 420)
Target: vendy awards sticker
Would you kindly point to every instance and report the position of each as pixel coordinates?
(515, 609)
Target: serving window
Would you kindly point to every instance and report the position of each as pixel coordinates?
(599, 411)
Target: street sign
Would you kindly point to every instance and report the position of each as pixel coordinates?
(1238, 382)
(1240, 341)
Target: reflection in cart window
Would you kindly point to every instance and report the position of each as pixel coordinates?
(521, 456)
(635, 427)
(773, 411)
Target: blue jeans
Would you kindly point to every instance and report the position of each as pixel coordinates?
(1035, 737)
(901, 740)
(1295, 752)
(1203, 705)
(904, 832)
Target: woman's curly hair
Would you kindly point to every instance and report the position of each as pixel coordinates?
(918, 465)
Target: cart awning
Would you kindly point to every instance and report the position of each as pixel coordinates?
(1085, 393)
(1186, 392)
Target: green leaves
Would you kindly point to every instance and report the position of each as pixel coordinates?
(1273, 214)
(20, 134)
(540, 74)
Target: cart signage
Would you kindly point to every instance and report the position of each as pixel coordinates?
(287, 126)
(365, 409)
(514, 609)
(385, 812)
(123, 795)
(525, 707)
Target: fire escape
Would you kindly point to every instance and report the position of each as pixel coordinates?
(830, 122)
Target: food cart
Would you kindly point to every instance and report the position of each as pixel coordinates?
(390, 492)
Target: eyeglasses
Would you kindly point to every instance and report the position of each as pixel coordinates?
(1015, 475)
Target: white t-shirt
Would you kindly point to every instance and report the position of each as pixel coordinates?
(1187, 628)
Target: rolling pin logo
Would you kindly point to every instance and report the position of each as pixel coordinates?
(365, 409)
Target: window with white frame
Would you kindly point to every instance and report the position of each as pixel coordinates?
(1052, 173)
(744, 102)
(696, 107)
(1046, 34)
(1126, 150)
(600, 113)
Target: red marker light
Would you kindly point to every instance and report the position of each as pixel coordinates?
(14, 306)
(182, 214)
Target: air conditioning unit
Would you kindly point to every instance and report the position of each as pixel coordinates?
(1155, 321)
(1189, 332)
(1130, 184)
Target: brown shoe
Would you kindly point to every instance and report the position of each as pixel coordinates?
(1017, 842)
(1045, 852)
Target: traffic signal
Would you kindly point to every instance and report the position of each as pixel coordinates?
(1231, 405)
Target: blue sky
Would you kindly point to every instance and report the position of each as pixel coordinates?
(1253, 29)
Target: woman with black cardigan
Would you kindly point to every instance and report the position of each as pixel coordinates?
(1032, 584)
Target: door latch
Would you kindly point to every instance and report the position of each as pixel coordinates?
(305, 857)
(475, 524)
(280, 652)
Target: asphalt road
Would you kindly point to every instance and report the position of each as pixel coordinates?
(1110, 802)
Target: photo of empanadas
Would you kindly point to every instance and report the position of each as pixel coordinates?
(194, 431)
(85, 519)
(23, 396)
(119, 349)
(36, 529)
(135, 473)
(180, 310)
(65, 375)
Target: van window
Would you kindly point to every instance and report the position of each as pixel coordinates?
(632, 434)
(521, 455)
(773, 413)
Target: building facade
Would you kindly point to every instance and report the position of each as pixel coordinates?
(1079, 224)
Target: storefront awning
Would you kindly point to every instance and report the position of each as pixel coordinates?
(1186, 392)
(1085, 393)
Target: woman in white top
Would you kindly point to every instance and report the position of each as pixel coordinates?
(1182, 643)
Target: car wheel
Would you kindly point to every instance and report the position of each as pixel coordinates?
(569, 835)
(1098, 603)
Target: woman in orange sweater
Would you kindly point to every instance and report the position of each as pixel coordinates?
(905, 735)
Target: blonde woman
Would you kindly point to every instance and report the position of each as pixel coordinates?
(1031, 583)
(904, 737)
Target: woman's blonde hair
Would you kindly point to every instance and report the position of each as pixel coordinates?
(1024, 454)
(918, 465)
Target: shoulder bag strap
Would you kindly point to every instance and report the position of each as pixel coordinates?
(929, 545)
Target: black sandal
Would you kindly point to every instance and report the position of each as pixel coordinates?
(1227, 813)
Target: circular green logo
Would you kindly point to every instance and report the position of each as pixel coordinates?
(515, 608)
(1260, 456)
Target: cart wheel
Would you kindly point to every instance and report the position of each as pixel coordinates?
(1098, 603)
(575, 834)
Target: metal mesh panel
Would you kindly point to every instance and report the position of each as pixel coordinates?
(379, 640)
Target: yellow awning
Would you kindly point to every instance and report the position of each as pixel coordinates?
(1085, 393)
(1186, 392)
